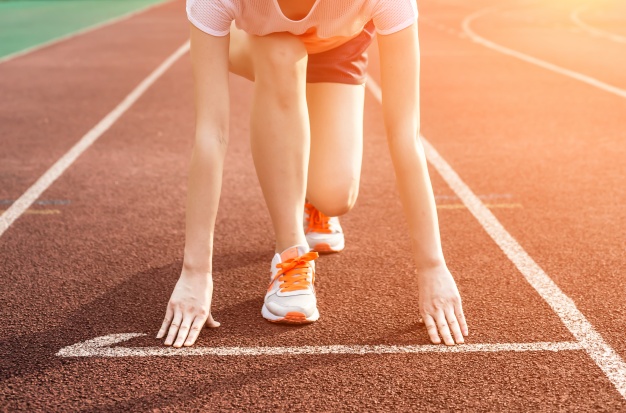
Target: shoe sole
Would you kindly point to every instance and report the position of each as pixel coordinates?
(325, 248)
(292, 317)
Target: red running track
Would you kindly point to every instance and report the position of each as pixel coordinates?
(545, 151)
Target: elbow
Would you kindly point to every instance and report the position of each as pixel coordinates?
(214, 141)
(404, 139)
(407, 152)
(402, 129)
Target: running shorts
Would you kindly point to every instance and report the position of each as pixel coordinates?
(346, 63)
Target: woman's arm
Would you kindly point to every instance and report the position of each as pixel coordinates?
(440, 303)
(189, 307)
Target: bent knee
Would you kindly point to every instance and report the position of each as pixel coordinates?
(281, 57)
(336, 201)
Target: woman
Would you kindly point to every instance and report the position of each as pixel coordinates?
(307, 60)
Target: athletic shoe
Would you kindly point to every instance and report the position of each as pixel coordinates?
(323, 233)
(290, 296)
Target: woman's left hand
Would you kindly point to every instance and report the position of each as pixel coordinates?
(440, 306)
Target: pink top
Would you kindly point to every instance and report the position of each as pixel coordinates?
(329, 24)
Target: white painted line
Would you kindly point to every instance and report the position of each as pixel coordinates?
(26, 200)
(575, 17)
(533, 60)
(100, 347)
(490, 206)
(79, 32)
(483, 197)
(602, 354)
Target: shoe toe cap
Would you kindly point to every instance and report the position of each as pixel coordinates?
(290, 304)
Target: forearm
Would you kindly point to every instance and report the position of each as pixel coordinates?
(417, 198)
(210, 67)
(204, 187)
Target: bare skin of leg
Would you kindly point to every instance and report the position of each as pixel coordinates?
(336, 116)
(336, 122)
(280, 132)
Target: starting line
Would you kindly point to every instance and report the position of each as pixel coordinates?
(100, 347)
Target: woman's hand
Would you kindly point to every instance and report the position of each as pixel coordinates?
(188, 310)
(440, 306)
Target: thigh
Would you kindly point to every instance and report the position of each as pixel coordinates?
(336, 119)
(239, 55)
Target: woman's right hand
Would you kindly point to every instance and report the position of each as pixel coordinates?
(188, 310)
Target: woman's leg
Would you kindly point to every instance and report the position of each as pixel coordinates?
(280, 135)
(336, 126)
(336, 116)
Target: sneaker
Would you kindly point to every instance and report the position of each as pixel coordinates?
(290, 296)
(323, 233)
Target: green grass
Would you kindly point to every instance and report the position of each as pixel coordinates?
(28, 23)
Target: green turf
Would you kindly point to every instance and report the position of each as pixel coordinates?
(27, 23)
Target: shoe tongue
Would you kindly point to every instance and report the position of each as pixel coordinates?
(293, 252)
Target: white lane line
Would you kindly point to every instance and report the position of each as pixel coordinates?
(533, 60)
(602, 354)
(26, 200)
(575, 17)
(100, 347)
(80, 32)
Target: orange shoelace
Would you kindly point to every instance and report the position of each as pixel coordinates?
(318, 222)
(293, 273)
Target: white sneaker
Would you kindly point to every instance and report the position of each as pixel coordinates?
(323, 233)
(290, 296)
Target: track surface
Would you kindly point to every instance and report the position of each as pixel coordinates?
(545, 151)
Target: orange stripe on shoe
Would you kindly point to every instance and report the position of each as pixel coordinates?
(293, 317)
(323, 247)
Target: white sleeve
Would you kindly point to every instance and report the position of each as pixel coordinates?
(391, 16)
(211, 16)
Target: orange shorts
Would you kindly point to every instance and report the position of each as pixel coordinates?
(344, 64)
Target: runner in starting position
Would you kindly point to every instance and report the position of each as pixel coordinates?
(307, 59)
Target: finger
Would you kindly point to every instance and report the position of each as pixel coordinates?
(454, 326)
(169, 314)
(442, 325)
(178, 317)
(196, 327)
(183, 331)
(458, 311)
(431, 326)
(210, 322)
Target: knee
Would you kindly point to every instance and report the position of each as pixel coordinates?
(334, 200)
(281, 59)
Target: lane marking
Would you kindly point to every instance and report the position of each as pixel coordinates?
(533, 60)
(490, 206)
(38, 211)
(483, 196)
(39, 201)
(100, 347)
(80, 32)
(450, 53)
(575, 17)
(22, 204)
(600, 352)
